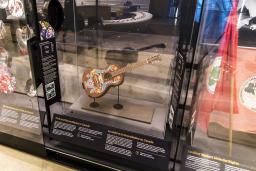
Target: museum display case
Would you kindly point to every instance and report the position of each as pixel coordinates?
(20, 125)
(221, 135)
(106, 69)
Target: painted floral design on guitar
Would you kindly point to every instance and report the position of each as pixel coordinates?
(96, 82)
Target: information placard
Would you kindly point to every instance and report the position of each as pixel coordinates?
(50, 71)
(20, 118)
(145, 150)
(198, 160)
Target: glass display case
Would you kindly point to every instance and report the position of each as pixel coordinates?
(20, 125)
(221, 135)
(109, 94)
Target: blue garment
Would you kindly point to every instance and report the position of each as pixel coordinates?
(198, 10)
(220, 5)
(215, 19)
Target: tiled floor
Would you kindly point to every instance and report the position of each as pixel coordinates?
(13, 160)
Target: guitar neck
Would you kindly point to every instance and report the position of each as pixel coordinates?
(129, 67)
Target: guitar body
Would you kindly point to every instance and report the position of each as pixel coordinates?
(96, 82)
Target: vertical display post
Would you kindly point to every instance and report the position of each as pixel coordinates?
(44, 63)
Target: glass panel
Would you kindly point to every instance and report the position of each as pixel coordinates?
(124, 34)
(115, 64)
(224, 109)
(19, 113)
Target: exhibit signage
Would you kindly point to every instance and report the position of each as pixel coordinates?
(20, 118)
(50, 71)
(195, 159)
(141, 149)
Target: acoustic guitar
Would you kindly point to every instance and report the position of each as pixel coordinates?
(96, 82)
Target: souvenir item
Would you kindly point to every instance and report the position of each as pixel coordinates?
(23, 34)
(97, 82)
(29, 88)
(46, 30)
(7, 81)
(3, 55)
(3, 4)
(16, 8)
(2, 30)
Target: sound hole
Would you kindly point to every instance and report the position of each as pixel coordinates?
(107, 76)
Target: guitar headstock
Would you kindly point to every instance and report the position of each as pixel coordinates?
(154, 59)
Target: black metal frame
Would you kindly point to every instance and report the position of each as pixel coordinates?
(67, 157)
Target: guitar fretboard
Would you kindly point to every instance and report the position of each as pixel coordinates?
(129, 67)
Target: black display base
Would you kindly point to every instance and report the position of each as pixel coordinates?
(86, 159)
(118, 106)
(60, 148)
(70, 161)
(94, 105)
(25, 145)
